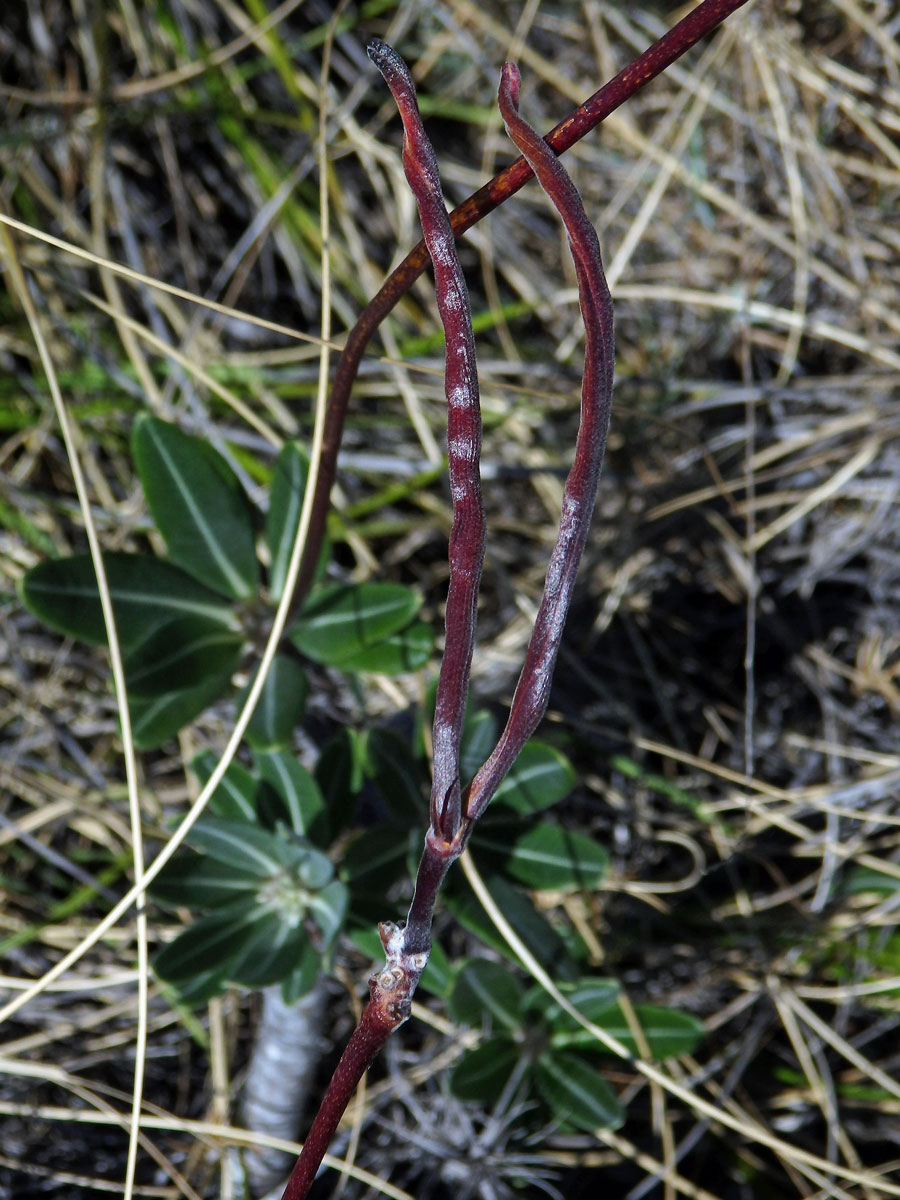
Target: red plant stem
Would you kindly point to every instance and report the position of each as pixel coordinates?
(437, 857)
(533, 689)
(390, 1002)
(365, 1042)
(655, 59)
(463, 444)
(390, 999)
(408, 946)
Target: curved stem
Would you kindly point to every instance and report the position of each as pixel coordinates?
(407, 946)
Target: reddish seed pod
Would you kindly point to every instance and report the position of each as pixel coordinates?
(407, 946)
(654, 61)
(463, 445)
(533, 689)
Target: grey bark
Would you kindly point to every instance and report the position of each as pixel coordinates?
(282, 1067)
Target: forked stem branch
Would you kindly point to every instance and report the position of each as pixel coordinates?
(453, 813)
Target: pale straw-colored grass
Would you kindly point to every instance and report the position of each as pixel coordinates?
(736, 631)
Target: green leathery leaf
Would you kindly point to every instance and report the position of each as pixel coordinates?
(390, 764)
(368, 941)
(668, 1031)
(479, 736)
(196, 990)
(199, 882)
(303, 976)
(437, 978)
(481, 1073)
(341, 620)
(484, 989)
(374, 857)
(590, 995)
(155, 719)
(281, 704)
(181, 655)
(549, 857)
(146, 594)
(238, 844)
(328, 908)
(235, 795)
(576, 1093)
(208, 945)
(539, 777)
(289, 476)
(406, 650)
(339, 774)
(198, 506)
(313, 868)
(299, 802)
(270, 953)
(532, 927)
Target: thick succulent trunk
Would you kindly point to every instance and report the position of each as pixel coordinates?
(282, 1068)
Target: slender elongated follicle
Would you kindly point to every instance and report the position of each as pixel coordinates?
(463, 443)
(533, 689)
(695, 25)
(407, 946)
